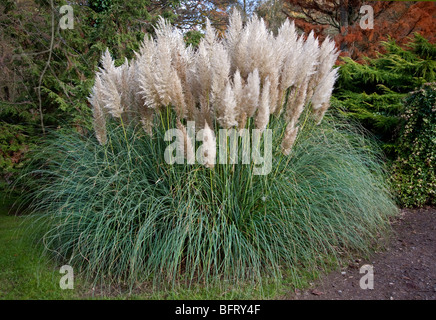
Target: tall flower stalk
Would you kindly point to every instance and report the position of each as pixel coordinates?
(249, 74)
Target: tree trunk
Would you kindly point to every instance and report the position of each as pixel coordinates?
(344, 16)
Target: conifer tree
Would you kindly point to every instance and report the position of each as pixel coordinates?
(373, 92)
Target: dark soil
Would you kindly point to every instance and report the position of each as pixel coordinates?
(406, 270)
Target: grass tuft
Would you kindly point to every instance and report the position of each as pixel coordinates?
(120, 213)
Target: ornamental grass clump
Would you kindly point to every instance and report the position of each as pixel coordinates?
(112, 206)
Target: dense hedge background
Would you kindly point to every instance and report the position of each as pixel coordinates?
(373, 93)
(414, 175)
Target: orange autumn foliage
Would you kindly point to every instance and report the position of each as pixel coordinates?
(397, 20)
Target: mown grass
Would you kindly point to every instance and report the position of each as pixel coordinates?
(24, 272)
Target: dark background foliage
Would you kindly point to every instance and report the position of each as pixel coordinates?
(373, 92)
(414, 174)
(40, 90)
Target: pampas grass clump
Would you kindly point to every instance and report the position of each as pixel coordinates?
(112, 207)
(119, 213)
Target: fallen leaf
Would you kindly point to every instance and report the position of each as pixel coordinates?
(317, 292)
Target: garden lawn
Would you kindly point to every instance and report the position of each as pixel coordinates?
(23, 273)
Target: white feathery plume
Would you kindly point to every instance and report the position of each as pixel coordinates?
(276, 52)
(163, 29)
(188, 149)
(324, 90)
(210, 38)
(240, 52)
(325, 77)
(203, 73)
(293, 113)
(261, 50)
(263, 112)
(162, 70)
(134, 86)
(306, 63)
(253, 33)
(233, 36)
(109, 80)
(319, 113)
(96, 100)
(289, 139)
(274, 90)
(251, 93)
(238, 93)
(177, 96)
(143, 111)
(190, 89)
(326, 60)
(307, 60)
(209, 146)
(290, 67)
(287, 35)
(145, 74)
(312, 45)
(112, 98)
(220, 66)
(146, 118)
(181, 55)
(327, 57)
(227, 116)
(108, 67)
(234, 29)
(145, 51)
(309, 55)
(126, 86)
(183, 63)
(264, 54)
